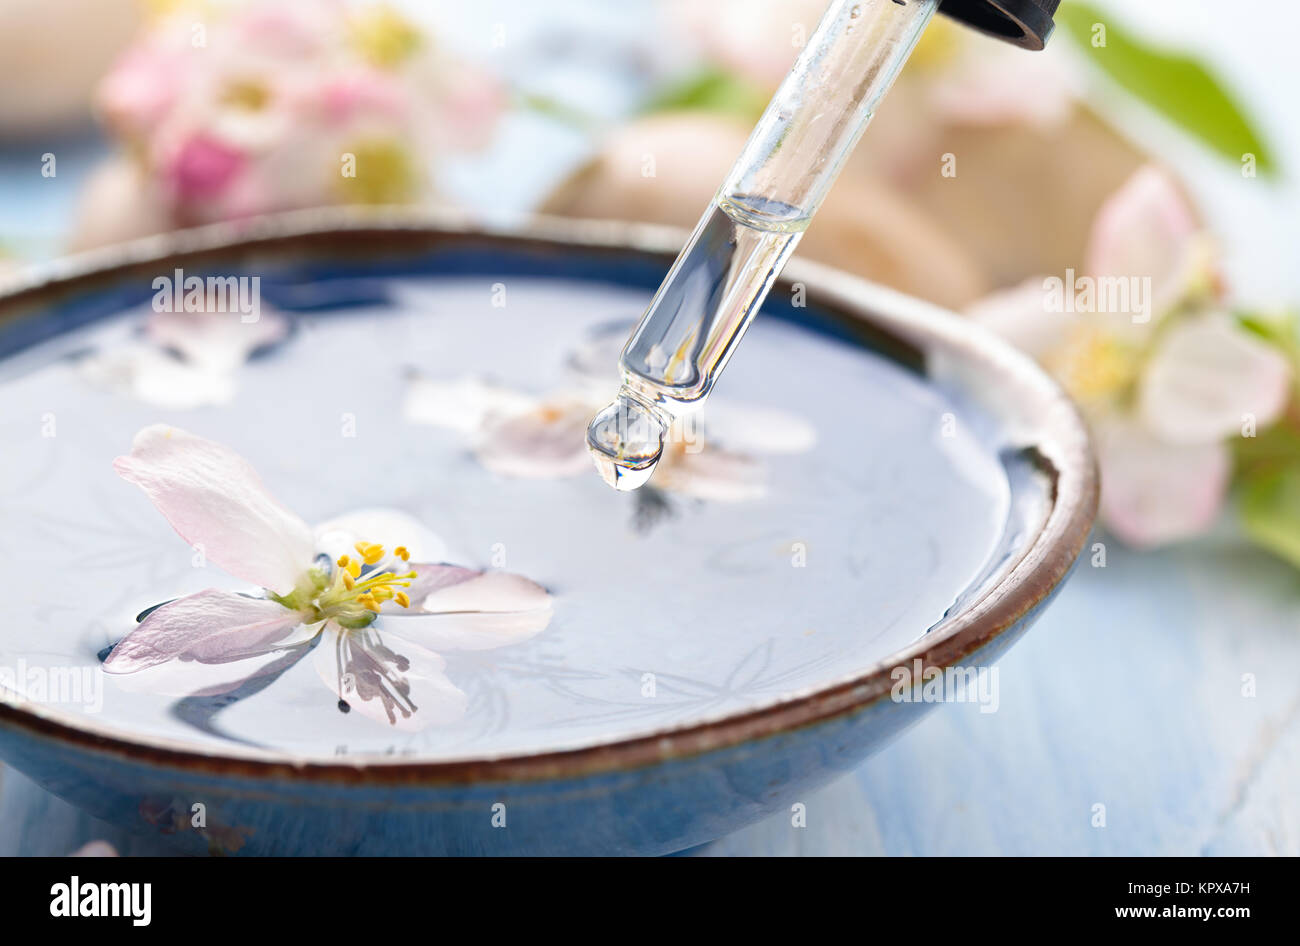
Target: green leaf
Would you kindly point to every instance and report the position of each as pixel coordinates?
(712, 90)
(1173, 83)
(1270, 509)
(556, 110)
(1274, 447)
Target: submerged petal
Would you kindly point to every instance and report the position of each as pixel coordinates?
(463, 404)
(387, 679)
(155, 377)
(1208, 378)
(1154, 492)
(713, 473)
(211, 626)
(217, 341)
(214, 498)
(755, 429)
(549, 441)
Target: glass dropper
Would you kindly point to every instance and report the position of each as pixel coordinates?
(751, 227)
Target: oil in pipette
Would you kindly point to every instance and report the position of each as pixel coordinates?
(690, 329)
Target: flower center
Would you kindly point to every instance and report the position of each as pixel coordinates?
(356, 590)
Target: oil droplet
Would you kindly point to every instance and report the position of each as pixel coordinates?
(626, 441)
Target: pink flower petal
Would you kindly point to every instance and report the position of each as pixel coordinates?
(996, 85)
(713, 474)
(1153, 492)
(1207, 377)
(439, 589)
(364, 93)
(387, 679)
(1146, 229)
(208, 626)
(455, 608)
(548, 442)
(214, 499)
(203, 167)
(1021, 316)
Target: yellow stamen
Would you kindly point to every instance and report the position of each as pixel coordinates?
(343, 561)
(369, 552)
(401, 553)
(348, 581)
(402, 599)
(354, 568)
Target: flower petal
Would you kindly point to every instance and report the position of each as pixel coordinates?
(469, 630)
(213, 497)
(455, 608)
(463, 404)
(192, 678)
(1021, 316)
(1206, 376)
(217, 341)
(439, 589)
(1147, 229)
(756, 429)
(1153, 492)
(211, 626)
(155, 377)
(549, 441)
(387, 679)
(380, 526)
(712, 473)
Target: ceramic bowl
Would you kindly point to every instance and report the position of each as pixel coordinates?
(712, 657)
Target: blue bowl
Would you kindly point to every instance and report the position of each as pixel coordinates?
(630, 788)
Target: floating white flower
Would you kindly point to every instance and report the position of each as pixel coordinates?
(373, 610)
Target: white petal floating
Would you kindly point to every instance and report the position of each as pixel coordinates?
(211, 625)
(381, 526)
(547, 442)
(214, 498)
(463, 404)
(713, 473)
(155, 377)
(756, 429)
(216, 341)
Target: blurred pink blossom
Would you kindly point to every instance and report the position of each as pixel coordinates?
(235, 109)
(1164, 383)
